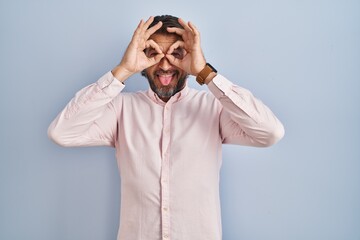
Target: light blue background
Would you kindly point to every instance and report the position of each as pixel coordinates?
(302, 58)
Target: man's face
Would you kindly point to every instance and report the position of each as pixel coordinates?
(165, 79)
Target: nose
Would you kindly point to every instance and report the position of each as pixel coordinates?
(164, 64)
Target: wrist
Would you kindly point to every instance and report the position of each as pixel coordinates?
(206, 74)
(210, 78)
(120, 73)
(199, 69)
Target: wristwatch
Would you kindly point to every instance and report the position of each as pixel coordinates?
(203, 74)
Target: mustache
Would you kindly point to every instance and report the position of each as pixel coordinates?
(167, 72)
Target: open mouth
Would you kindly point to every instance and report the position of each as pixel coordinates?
(165, 77)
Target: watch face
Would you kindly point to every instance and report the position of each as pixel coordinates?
(213, 69)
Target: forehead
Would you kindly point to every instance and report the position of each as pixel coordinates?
(165, 40)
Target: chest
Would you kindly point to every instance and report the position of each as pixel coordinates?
(144, 121)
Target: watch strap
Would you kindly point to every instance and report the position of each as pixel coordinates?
(203, 74)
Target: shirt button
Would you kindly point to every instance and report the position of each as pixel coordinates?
(166, 236)
(165, 209)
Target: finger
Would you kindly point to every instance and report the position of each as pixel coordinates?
(154, 45)
(148, 22)
(175, 45)
(152, 30)
(176, 30)
(157, 58)
(143, 26)
(140, 23)
(194, 29)
(173, 60)
(154, 60)
(185, 25)
(138, 28)
(195, 32)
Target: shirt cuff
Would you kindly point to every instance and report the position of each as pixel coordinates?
(220, 86)
(241, 97)
(110, 85)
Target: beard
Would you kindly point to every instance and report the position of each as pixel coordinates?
(166, 91)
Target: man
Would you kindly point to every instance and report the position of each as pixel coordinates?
(167, 139)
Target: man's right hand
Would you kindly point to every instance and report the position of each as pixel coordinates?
(134, 59)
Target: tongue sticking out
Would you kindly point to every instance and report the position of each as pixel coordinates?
(165, 79)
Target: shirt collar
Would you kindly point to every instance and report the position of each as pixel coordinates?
(175, 98)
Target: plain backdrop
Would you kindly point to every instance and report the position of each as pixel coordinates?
(302, 58)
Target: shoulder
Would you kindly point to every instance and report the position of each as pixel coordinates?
(129, 99)
(131, 96)
(204, 99)
(201, 95)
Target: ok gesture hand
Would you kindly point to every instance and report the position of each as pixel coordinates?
(193, 61)
(134, 59)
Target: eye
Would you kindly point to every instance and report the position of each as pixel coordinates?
(178, 53)
(150, 52)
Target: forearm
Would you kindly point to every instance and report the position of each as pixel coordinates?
(76, 124)
(120, 73)
(255, 124)
(210, 78)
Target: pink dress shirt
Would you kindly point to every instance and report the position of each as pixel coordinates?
(168, 154)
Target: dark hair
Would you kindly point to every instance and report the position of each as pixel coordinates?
(167, 21)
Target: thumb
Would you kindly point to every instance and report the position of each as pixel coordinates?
(156, 59)
(173, 60)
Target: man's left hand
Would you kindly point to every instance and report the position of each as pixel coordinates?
(193, 61)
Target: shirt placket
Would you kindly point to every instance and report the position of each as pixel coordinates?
(165, 174)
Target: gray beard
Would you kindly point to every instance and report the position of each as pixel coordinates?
(164, 91)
